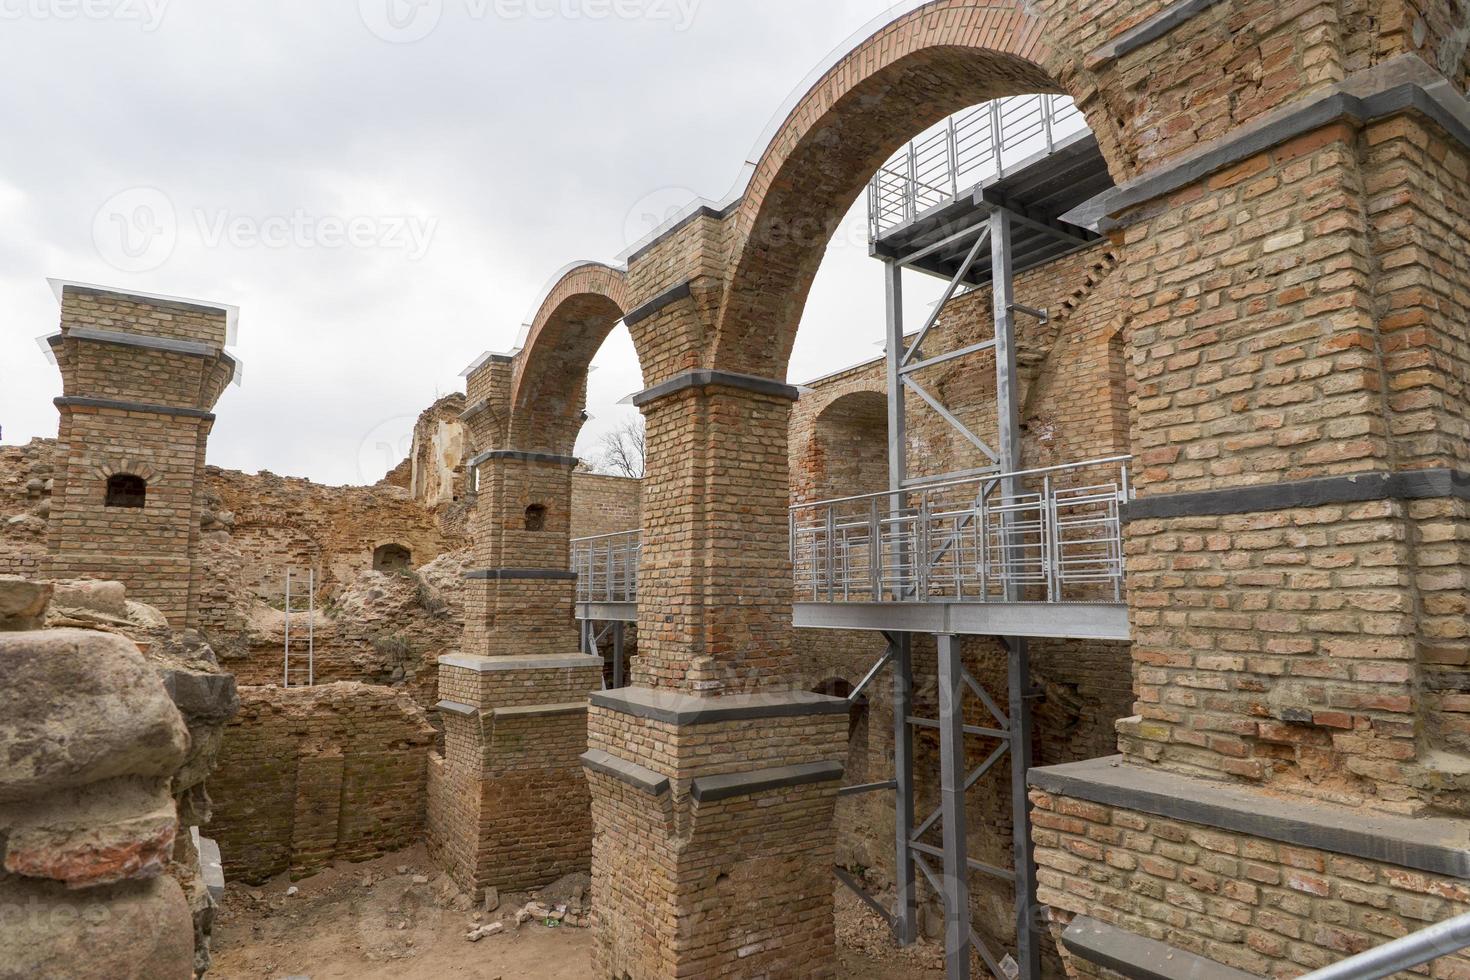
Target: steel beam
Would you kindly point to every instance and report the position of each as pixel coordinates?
(905, 919)
(1028, 924)
(952, 772)
(1058, 620)
(1007, 398)
(618, 678)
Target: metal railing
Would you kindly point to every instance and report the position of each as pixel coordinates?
(1425, 946)
(607, 567)
(1044, 535)
(964, 150)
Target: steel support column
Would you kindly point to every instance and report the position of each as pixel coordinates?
(952, 773)
(905, 919)
(897, 421)
(1028, 925)
(617, 677)
(1008, 422)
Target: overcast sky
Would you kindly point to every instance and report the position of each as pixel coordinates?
(384, 187)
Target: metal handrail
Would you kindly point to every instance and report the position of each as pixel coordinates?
(607, 566)
(1425, 946)
(967, 148)
(1049, 534)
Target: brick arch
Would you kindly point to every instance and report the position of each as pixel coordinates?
(549, 384)
(919, 69)
(842, 449)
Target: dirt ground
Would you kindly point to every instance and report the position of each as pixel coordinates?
(396, 918)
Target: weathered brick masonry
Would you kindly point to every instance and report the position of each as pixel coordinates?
(315, 775)
(139, 378)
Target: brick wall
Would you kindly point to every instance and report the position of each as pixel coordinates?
(288, 522)
(314, 775)
(1268, 908)
(604, 504)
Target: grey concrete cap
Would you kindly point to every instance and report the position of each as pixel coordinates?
(709, 789)
(622, 770)
(686, 709)
(1139, 957)
(1439, 845)
(490, 665)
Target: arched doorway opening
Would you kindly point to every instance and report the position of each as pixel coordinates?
(392, 558)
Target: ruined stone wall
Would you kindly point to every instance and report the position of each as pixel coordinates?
(311, 776)
(287, 522)
(26, 480)
(604, 504)
(440, 448)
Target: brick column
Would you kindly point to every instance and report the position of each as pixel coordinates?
(140, 377)
(1297, 560)
(508, 803)
(713, 783)
(522, 582)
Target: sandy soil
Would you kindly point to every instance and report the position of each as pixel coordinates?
(397, 919)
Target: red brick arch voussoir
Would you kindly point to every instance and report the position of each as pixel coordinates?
(572, 323)
(914, 72)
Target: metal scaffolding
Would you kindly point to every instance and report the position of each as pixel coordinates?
(988, 535)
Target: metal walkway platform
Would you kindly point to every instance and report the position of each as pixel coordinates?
(1033, 620)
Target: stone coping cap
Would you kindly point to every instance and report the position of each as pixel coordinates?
(457, 708)
(231, 311)
(540, 710)
(1139, 957)
(686, 709)
(709, 789)
(490, 665)
(1439, 845)
(624, 771)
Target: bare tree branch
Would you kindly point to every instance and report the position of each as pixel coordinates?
(624, 450)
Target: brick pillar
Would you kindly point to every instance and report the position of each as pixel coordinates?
(140, 377)
(1297, 560)
(713, 782)
(522, 576)
(508, 802)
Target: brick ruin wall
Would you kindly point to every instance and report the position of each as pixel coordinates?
(281, 523)
(315, 775)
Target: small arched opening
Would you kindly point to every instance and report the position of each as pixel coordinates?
(847, 453)
(392, 558)
(536, 517)
(126, 490)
